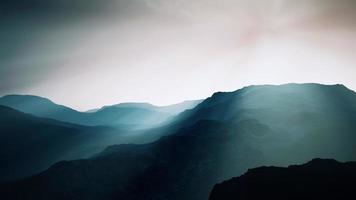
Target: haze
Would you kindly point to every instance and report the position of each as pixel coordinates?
(86, 54)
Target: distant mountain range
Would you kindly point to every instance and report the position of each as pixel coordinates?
(41, 141)
(30, 144)
(324, 179)
(173, 109)
(220, 138)
(133, 115)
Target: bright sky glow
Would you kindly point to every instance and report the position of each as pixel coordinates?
(168, 51)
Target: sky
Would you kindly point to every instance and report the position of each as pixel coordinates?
(90, 53)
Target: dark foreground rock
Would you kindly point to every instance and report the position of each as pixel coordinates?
(318, 179)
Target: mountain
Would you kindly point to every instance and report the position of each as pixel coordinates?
(173, 109)
(42, 107)
(141, 115)
(176, 109)
(318, 117)
(324, 179)
(220, 138)
(134, 115)
(130, 117)
(30, 144)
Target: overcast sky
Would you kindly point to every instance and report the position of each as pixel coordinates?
(89, 53)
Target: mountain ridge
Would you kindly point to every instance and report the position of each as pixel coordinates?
(136, 115)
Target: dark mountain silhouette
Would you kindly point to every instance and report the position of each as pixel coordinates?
(134, 115)
(318, 179)
(220, 138)
(30, 144)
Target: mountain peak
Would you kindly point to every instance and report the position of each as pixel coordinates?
(24, 97)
